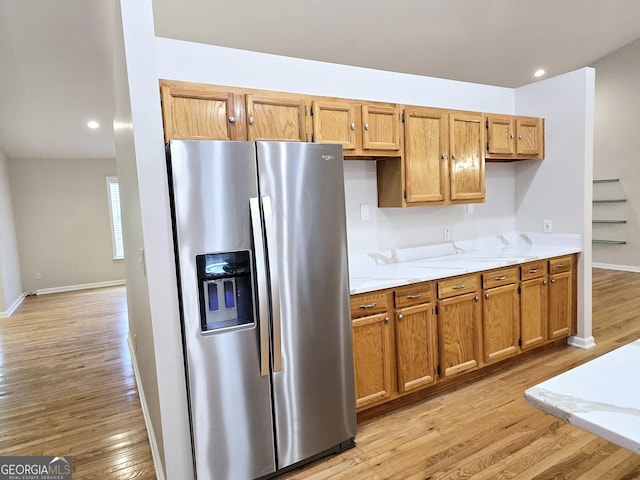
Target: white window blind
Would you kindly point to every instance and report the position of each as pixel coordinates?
(113, 189)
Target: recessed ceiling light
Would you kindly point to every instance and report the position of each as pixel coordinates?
(540, 72)
(93, 124)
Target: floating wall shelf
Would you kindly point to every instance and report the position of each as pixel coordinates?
(612, 195)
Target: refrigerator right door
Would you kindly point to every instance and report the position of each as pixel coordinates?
(302, 194)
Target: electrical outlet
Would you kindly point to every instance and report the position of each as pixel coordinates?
(38, 276)
(446, 233)
(364, 212)
(547, 226)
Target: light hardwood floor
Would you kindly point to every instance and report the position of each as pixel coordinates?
(67, 387)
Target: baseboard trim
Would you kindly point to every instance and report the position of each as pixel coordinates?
(613, 266)
(84, 286)
(13, 307)
(584, 343)
(155, 451)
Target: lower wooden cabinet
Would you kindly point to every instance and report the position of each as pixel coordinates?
(561, 316)
(372, 343)
(443, 329)
(500, 314)
(459, 316)
(534, 306)
(415, 337)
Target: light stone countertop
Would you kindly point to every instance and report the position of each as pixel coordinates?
(601, 396)
(392, 268)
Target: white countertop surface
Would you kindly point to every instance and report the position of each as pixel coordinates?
(601, 396)
(392, 268)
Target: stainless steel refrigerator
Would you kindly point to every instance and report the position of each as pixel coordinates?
(261, 255)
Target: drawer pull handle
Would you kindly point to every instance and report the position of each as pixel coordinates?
(560, 265)
(412, 297)
(501, 277)
(458, 287)
(369, 305)
(534, 270)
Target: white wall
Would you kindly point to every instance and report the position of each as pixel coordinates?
(150, 58)
(558, 188)
(616, 155)
(61, 211)
(10, 279)
(141, 328)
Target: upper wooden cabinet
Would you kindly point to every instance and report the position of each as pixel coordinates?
(466, 167)
(443, 161)
(199, 112)
(275, 118)
(208, 112)
(363, 129)
(514, 138)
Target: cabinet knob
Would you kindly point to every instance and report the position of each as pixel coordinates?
(251, 121)
(486, 295)
(232, 119)
(400, 317)
(544, 282)
(553, 280)
(477, 299)
(453, 157)
(353, 126)
(386, 320)
(519, 137)
(366, 126)
(511, 136)
(444, 156)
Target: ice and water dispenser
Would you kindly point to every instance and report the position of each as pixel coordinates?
(225, 285)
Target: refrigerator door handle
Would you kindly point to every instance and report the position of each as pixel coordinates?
(261, 278)
(275, 284)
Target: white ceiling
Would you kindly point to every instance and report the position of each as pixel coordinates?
(55, 55)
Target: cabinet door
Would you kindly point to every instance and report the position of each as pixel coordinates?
(529, 141)
(372, 358)
(500, 322)
(273, 118)
(500, 135)
(335, 122)
(560, 305)
(533, 312)
(415, 347)
(194, 112)
(459, 334)
(426, 152)
(381, 128)
(466, 166)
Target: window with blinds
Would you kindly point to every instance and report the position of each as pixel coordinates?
(113, 189)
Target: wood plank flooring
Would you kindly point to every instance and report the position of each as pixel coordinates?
(484, 430)
(67, 387)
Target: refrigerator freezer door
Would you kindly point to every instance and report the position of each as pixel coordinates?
(230, 402)
(314, 399)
